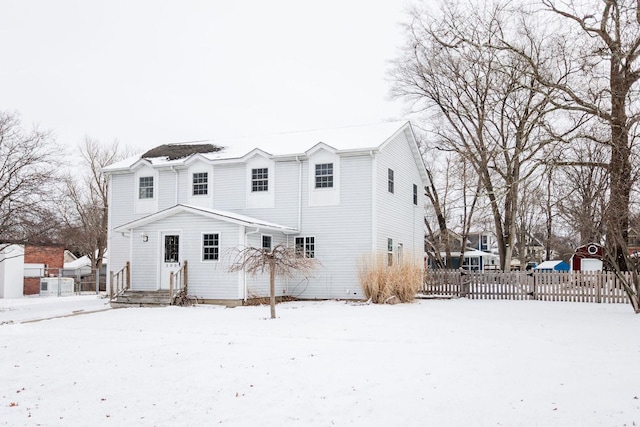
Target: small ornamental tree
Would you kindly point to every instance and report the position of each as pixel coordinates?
(281, 261)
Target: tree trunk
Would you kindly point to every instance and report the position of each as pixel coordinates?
(272, 287)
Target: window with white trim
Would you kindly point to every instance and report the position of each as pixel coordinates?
(324, 175)
(306, 247)
(260, 179)
(200, 184)
(210, 247)
(390, 180)
(266, 242)
(389, 252)
(145, 187)
(415, 194)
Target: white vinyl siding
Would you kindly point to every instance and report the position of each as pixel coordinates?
(342, 232)
(209, 280)
(398, 217)
(229, 186)
(347, 221)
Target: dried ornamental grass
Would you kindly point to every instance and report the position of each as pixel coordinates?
(388, 284)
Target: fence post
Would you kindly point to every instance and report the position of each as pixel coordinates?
(184, 278)
(464, 284)
(170, 287)
(111, 284)
(128, 275)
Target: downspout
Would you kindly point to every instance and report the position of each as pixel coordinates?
(244, 273)
(177, 175)
(374, 205)
(299, 193)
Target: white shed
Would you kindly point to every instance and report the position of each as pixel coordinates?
(11, 271)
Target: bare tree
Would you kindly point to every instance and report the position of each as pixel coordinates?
(582, 197)
(87, 199)
(596, 47)
(281, 261)
(29, 161)
(494, 118)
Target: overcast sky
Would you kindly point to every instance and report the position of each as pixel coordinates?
(149, 72)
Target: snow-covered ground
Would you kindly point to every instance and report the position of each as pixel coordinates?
(431, 363)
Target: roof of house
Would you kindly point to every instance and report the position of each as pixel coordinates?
(179, 151)
(343, 140)
(552, 265)
(83, 261)
(209, 213)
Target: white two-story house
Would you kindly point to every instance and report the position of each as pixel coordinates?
(338, 195)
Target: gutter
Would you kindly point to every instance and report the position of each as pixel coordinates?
(177, 175)
(244, 273)
(374, 207)
(299, 193)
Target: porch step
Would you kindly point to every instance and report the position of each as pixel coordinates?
(141, 299)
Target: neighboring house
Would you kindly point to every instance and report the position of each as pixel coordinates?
(484, 241)
(633, 241)
(69, 256)
(474, 258)
(41, 261)
(78, 267)
(336, 195)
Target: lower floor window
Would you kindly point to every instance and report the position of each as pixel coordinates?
(306, 246)
(210, 247)
(266, 242)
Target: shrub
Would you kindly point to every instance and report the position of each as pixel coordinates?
(381, 283)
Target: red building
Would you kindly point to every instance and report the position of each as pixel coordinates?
(588, 258)
(44, 261)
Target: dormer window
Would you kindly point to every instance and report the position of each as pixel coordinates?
(146, 187)
(200, 184)
(324, 175)
(260, 179)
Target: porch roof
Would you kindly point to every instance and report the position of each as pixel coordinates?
(207, 213)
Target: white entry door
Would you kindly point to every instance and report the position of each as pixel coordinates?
(170, 259)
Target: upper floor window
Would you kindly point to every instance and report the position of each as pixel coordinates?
(324, 175)
(484, 242)
(306, 246)
(415, 194)
(146, 187)
(390, 180)
(260, 179)
(210, 247)
(200, 184)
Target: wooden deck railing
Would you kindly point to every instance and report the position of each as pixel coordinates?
(178, 282)
(120, 281)
(572, 286)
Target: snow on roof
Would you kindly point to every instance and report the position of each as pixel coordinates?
(213, 213)
(548, 265)
(83, 261)
(288, 143)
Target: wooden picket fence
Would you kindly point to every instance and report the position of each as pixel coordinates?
(572, 286)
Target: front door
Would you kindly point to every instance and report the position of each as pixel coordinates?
(170, 261)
